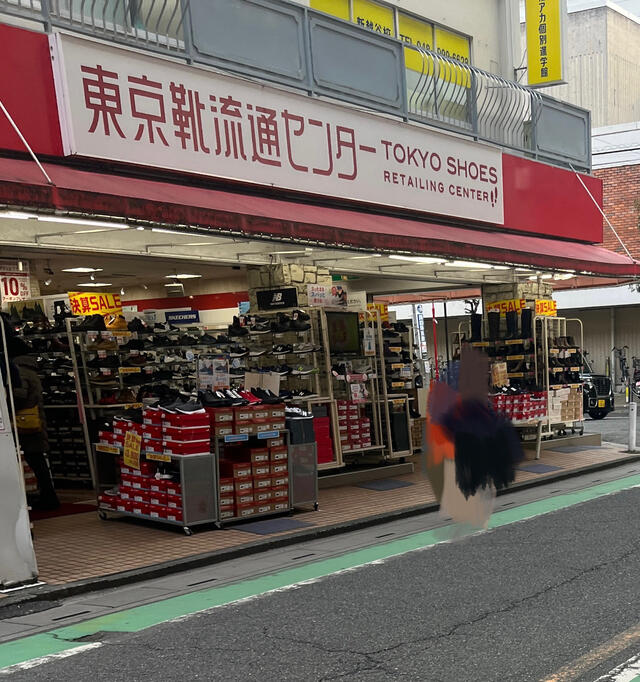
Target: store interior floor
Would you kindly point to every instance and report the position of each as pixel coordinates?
(81, 546)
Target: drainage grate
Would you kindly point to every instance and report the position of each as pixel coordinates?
(302, 556)
(384, 535)
(201, 582)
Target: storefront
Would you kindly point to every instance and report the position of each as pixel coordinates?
(173, 196)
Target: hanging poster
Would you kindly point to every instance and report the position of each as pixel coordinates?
(14, 281)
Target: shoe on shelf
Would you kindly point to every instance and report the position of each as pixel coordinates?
(236, 329)
(283, 370)
(282, 349)
(260, 328)
(115, 322)
(191, 406)
(304, 370)
(390, 333)
(238, 352)
(133, 344)
(109, 361)
(91, 323)
(282, 324)
(300, 315)
(257, 352)
(400, 327)
(137, 325)
(223, 340)
(207, 340)
(303, 395)
(163, 328)
(299, 325)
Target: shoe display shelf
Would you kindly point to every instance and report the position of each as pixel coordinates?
(559, 367)
(354, 390)
(69, 455)
(254, 476)
(395, 375)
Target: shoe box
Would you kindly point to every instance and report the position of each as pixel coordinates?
(526, 406)
(67, 452)
(249, 420)
(250, 478)
(355, 429)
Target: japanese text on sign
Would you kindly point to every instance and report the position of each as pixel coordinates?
(544, 20)
(507, 306)
(131, 455)
(546, 307)
(143, 110)
(15, 284)
(94, 304)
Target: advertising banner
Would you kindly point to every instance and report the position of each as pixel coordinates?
(14, 281)
(90, 303)
(327, 295)
(131, 456)
(546, 307)
(545, 32)
(507, 306)
(120, 105)
(276, 299)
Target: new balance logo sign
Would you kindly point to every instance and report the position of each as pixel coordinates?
(277, 297)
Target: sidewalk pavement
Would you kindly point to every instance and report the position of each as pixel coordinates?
(81, 553)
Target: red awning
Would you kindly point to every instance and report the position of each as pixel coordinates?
(22, 184)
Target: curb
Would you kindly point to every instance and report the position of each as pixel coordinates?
(50, 594)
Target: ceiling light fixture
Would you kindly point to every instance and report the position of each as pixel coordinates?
(20, 215)
(92, 277)
(95, 284)
(284, 253)
(468, 264)
(81, 269)
(122, 291)
(426, 260)
(371, 255)
(161, 229)
(182, 275)
(47, 282)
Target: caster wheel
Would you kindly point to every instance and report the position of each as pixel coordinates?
(102, 516)
(187, 531)
(316, 506)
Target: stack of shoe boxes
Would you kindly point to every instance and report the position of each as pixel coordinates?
(355, 429)
(250, 420)
(254, 479)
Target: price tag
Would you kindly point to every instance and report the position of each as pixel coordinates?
(133, 406)
(513, 342)
(480, 344)
(574, 369)
(135, 351)
(132, 443)
(515, 375)
(106, 371)
(397, 365)
(130, 370)
(395, 349)
(397, 384)
(110, 449)
(157, 457)
(515, 357)
(102, 354)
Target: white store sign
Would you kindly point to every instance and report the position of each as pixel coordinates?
(120, 105)
(14, 281)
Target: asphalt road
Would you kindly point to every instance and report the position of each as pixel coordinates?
(514, 604)
(614, 427)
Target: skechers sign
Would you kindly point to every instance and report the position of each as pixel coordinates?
(183, 316)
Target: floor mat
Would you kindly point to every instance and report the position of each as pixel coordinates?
(576, 448)
(65, 509)
(384, 484)
(269, 526)
(537, 468)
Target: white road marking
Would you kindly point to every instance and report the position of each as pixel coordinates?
(626, 672)
(35, 662)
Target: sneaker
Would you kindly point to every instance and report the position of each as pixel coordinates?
(299, 325)
(92, 323)
(390, 334)
(303, 395)
(237, 371)
(257, 352)
(282, 324)
(260, 328)
(300, 348)
(282, 349)
(109, 361)
(137, 360)
(304, 370)
(236, 329)
(223, 340)
(186, 340)
(133, 344)
(238, 352)
(300, 315)
(137, 325)
(191, 406)
(163, 328)
(207, 340)
(105, 381)
(283, 370)
(115, 322)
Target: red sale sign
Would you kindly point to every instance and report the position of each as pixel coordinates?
(14, 281)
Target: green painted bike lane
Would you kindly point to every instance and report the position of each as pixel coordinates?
(141, 617)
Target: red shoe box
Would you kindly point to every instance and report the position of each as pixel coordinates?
(172, 447)
(227, 512)
(227, 499)
(281, 505)
(105, 437)
(261, 412)
(243, 485)
(141, 496)
(174, 501)
(159, 499)
(247, 497)
(244, 428)
(263, 425)
(174, 488)
(280, 454)
(264, 508)
(366, 443)
(126, 493)
(152, 446)
(242, 414)
(279, 468)
(158, 486)
(245, 510)
(325, 453)
(125, 426)
(280, 492)
(187, 434)
(108, 501)
(157, 511)
(226, 485)
(261, 469)
(277, 425)
(126, 480)
(140, 508)
(124, 505)
(224, 429)
(263, 495)
(141, 482)
(263, 481)
(186, 420)
(174, 514)
(275, 442)
(151, 417)
(259, 455)
(235, 469)
(276, 412)
(147, 469)
(152, 431)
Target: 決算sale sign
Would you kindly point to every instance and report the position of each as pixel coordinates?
(120, 105)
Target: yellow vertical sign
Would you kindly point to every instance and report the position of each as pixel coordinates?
(131, 455)
(337, 8)
(544, 20)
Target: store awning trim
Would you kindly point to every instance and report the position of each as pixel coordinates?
(136, 199)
